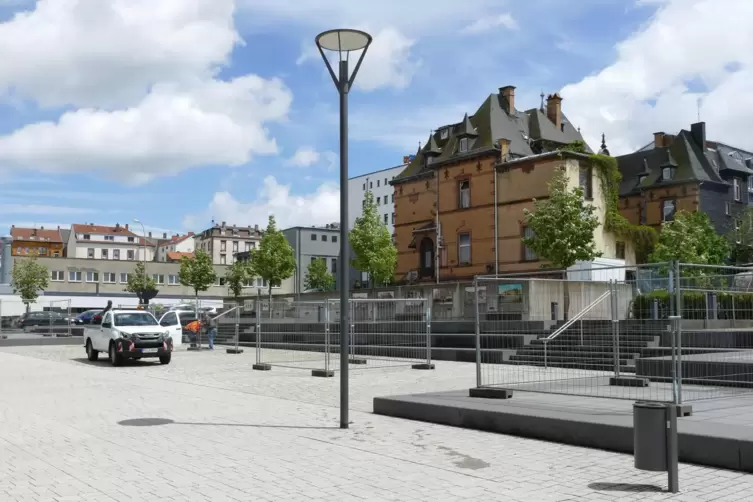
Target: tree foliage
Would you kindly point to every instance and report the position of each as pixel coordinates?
(373, 249)
(563, 226)
(28, 278)
(740, 238)
(141, 284)
(273, 260)
(237, 276)
(318, 277)
(690, 238)
(197, 271)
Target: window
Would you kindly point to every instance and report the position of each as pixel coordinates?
(379, 200)
(324, 238)
(667, 173)
(130, 254)
(116, 254)
(363, 203)
(19, 250)
(393, 218)
(642, 213)
(620, 250)
(385, 181)
(736, 185)
(464, 249)
(528, 254)
(92, 276)
(334, 238)
(668, 209)
(585, 181)
(221, 281)
(87, 237)
(109, 237)
(444, 133)
(463, 145)
(377, 183)
(334, 265)
(313, 237)
(393, 197)
(223, 259)
(371, 185)
(74, 276)
(56, 254)
(313, 259)
(124, 277)
(57, 275)
(108, 277)
(235, 246)
(223, 246)
(249, 246)
(105, 254)
(169, 319)
(385, 218)
(464, 194)
(90, 253)
(42, 250)
(727, 208)
(131, 239)
(642, 178)
(158, 278)
(172, 280)
(364, 187)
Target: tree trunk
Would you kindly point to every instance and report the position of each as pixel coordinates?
(566, 298)
(270, 300)
(28, 307)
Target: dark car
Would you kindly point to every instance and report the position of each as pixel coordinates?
(86, 317)
(45, 318)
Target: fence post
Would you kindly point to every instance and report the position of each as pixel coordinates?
(68, 315)
(428, 334)
(236, 350)
(326, 335)
(257, 329)
(615, 326)
(1, 320)
(478, 332)
(678, 329)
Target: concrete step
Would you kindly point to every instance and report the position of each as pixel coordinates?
(577, 354)
(607, 367)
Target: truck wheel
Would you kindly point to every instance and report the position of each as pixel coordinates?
(165, 359)
(115, 359)
(91, 354)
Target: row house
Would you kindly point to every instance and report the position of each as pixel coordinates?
(222, 242)
(176, 246)
(99, 242)
(686, 172)
(36, 242)
(460, 203)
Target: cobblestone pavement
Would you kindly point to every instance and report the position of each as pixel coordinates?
(208, 428)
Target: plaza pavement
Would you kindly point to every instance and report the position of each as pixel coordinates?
(71, 430)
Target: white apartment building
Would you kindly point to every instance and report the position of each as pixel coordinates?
(384, 196)
(98, 242)
(176, 244)
(222, 242)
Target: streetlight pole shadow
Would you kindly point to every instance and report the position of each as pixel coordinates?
(157, 422)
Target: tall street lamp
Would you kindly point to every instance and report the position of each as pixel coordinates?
(143, 239)
(343, 42)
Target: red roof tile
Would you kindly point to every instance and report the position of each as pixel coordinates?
(36, 234)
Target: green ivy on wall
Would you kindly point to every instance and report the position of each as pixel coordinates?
(642, 237)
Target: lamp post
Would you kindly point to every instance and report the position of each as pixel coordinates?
(143, 239)
(343, 42)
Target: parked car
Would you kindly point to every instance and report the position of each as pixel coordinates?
(128, 334)
(86, 317)
(43, 318)
(175, 322)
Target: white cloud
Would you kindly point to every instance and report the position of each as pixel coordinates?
(389, 61)
(690, 49)
(174, 128)
(319, 207)
(108, 53)
(491, 23)
(304, 157)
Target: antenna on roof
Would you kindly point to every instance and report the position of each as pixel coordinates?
(698, 106)
(542, 100)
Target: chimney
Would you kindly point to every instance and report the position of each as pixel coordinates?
(126, 226)
(504, 149)
(554, 109)
(223, 224)
(659, 140)
(508, 98)
(698, 132)
(150, 234)
(117, 227)
(164, 235)
(41, 228)
(256, 228)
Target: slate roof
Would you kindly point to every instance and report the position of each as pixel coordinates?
(693, 163)
(485, 128)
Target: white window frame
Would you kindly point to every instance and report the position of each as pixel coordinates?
(464, 194)
(664, 211)
(92, 276)
(737, 188)
(528, 253)
(131, 254)
(463, 147)
(444, 133)
(159, 279)
(109, 277)
(105, 253)
(462, 246)
(124, 278)
(90, 253)
(74, 276)
(172, 280)
(57, 275)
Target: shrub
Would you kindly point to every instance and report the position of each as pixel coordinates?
(729, 305)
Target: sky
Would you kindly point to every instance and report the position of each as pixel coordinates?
(180, 112)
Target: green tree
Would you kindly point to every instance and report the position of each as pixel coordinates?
(563, 228)
(28, 278)
(141, 284)
(690, 238)
(373, 249)
(197, 272)
(237, 276)
(740, 238)
(318, 277)
(273, 260)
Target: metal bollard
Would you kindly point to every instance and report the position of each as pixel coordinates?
(655, 309)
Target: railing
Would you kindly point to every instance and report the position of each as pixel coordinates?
(577, 317)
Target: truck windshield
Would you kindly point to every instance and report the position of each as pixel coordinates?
(135, 319)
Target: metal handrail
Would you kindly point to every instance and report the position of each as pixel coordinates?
(577, 317)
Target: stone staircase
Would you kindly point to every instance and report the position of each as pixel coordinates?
(588, 347)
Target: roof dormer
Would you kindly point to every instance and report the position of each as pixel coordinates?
(669, 167)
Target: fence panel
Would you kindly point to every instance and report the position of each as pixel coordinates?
(716, 333)
(45, 316)
(60, 317)
(390, 332)
(292, 334)
(570, 333)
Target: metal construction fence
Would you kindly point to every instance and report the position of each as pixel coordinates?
(666, 332)
(306, 335)
(44, 316)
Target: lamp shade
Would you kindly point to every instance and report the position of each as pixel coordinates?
(343, 40)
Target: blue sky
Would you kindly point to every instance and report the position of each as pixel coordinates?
(177, 114)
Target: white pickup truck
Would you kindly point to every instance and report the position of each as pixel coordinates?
(127, 334)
